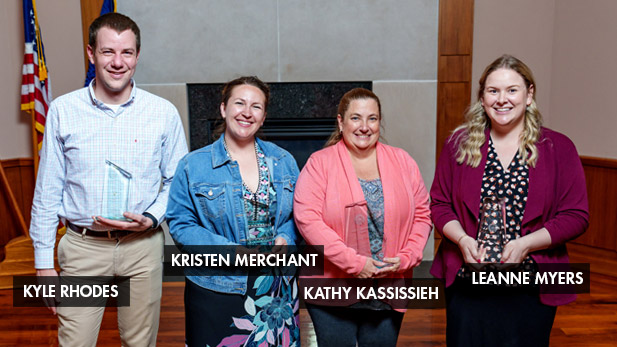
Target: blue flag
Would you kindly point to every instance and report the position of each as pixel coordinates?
(108, 6)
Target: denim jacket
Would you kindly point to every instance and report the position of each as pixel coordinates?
(206, 207)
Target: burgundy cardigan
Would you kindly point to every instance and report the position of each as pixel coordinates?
(556, 200)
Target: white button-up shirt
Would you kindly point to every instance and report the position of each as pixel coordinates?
(144, 137)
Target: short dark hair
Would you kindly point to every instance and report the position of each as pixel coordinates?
(115, 21)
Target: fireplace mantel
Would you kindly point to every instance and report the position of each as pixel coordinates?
(301, 115)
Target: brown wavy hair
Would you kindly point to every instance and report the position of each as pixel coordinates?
(343, 106)
(471, 136)
(226, 94)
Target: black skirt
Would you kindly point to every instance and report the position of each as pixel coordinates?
(496, 316)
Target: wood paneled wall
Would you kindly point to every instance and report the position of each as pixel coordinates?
(454, 65)
(453, 68)
(20, 174)
(601, 177)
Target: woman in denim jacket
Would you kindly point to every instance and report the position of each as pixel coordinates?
(237, 191)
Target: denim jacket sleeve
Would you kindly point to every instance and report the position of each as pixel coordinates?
(185, 225)
(287, 226)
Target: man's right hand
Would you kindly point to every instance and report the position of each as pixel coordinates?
(48, 277)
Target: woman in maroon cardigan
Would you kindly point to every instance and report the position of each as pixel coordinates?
(502, 152)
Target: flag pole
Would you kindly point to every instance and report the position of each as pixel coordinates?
(35, 146)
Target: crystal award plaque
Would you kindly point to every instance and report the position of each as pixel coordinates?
(115, 191)
(356, 228)
(492, 231)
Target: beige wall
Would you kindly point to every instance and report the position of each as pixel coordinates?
(393, 43)
(523, 28)
(290, 40)
(584, 75)
(15, 135)
(61, 27)
(569, 45)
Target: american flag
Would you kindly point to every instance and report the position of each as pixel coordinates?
(35, 85)
(108, 6)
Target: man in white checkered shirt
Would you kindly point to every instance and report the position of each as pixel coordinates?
(109, 125)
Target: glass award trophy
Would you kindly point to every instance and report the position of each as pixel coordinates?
(115, 191)
(492, 228)
(356, 228)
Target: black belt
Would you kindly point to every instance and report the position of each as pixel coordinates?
(111, 234)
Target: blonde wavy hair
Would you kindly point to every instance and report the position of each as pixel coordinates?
(471, 134)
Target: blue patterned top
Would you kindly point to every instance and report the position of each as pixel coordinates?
(373, 193)
(260, 206)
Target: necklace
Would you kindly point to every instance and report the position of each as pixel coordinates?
(252, 195)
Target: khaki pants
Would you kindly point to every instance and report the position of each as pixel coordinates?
(138, 256)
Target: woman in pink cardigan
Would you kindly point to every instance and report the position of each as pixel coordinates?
(366, 204)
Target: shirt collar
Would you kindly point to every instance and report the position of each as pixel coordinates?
(219, 154)
(99, 103)
(220, 157)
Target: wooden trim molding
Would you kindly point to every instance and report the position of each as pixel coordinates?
(608, 163)
(601, 179)
(17, 162)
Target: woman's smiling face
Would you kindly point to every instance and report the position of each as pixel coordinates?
(360, 124)
(505, 99)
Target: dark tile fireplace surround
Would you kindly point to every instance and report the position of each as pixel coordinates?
(300, 118)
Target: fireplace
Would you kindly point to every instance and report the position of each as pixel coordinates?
(301, 116)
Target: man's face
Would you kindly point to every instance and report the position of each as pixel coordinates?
(115, 58)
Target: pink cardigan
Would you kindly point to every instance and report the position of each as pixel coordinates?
(328, 184)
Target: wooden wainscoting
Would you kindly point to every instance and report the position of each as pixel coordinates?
(601, 177)
(20, 174)
(16, 252)
(598, 246)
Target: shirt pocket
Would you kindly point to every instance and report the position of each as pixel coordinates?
(211, 199)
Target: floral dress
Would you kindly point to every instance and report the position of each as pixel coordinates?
(268, 315)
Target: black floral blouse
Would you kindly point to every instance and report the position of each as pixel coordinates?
(510, 185)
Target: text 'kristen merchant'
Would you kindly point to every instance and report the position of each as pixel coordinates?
(241, 260)
(370, 293)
